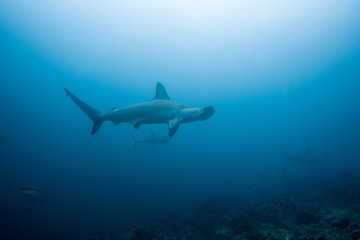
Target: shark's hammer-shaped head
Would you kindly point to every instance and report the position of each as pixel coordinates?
(207, 113)
(193, 114)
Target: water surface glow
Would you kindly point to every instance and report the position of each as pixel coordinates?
(238, 47)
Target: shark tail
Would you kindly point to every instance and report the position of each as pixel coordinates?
(135, 141)
(95, 115)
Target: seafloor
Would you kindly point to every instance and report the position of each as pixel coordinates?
(329, 210)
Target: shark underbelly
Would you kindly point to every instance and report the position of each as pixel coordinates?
(143, 117)
(144, 113)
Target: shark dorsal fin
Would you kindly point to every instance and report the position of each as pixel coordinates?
(161, 92)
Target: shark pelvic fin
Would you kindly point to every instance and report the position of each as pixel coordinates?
(161, 92)
(136, 123)
(174, 125)
(94, 114)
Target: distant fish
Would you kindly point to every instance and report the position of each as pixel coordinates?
(308, 157)
(32, 192)
(2, 139)
(154, 138)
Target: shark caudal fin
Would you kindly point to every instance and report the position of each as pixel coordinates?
(135, 141)
(94, 114)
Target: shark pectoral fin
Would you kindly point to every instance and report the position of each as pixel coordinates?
(116, 123)
(174, 125)
(136, 123)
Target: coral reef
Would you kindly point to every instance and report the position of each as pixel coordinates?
(304, 217)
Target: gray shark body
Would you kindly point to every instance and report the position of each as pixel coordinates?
(159, 138)
(308, 157)
(160, 110)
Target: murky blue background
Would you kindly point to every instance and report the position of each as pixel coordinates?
(282, 76)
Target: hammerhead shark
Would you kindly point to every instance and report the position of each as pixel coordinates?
(159, 110)
(308, 156)
(154, 138)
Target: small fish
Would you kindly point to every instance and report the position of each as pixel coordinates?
(2, 139)
(32, 192)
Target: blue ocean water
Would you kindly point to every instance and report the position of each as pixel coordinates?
(283, 77)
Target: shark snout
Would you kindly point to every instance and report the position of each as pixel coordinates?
(207, 113)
